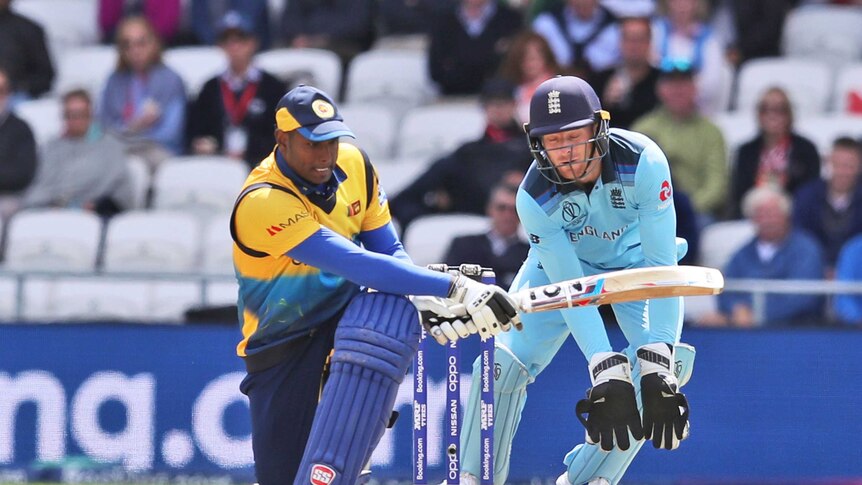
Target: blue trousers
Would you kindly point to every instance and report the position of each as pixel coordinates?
(283, 399)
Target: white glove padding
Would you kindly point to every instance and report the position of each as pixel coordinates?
(492, 309)
(665, 417)
(440, 320)
(447, 329)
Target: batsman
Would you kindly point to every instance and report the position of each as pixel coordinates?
(312, 233)
(594, 200)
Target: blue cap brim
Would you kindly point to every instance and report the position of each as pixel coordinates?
(326, 131)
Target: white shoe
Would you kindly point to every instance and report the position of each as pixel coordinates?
(465, 479)
(564, 480)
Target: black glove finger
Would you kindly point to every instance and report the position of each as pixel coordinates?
(505, 305)
(668, 437)
(636, 428)
(657, 435)
(648, 424)
(622, 433)
(607, 436)
(582, 411)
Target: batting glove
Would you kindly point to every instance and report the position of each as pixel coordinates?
(439, 320)
(491, 308)
(610, 409)
(665, 418)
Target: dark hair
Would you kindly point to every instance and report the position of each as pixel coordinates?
(77, 93)
(637, 20)
(847, 143)
(510, 68)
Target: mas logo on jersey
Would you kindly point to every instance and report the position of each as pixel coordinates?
(276, 228)
(554, 102)
(617, 200)
(322, 474)
(354, 208)
(322, 109)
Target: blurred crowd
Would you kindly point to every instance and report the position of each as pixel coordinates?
(666, 68)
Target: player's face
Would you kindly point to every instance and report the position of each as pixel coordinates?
(313, 161)
(568, 151)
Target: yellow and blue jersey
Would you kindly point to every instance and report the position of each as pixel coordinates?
(280, 298)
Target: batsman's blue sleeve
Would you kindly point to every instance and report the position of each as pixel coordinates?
(552, 247)
(332, 253)
(384, 240)
(657, 218)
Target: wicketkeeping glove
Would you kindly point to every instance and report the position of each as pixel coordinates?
(665, 418)
(610, 409)
(491, 308)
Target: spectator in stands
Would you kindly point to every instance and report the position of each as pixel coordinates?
(462, 181)
(583, 34)
(163, 15)
(831, 209)
(776, 155)
(408, 17)
(778, 252)
(206, 17)
(694, 145)
(345, 27)
(468, 43)
(23, 55)
(628, 89)
(84, 168)
(144, 100)
(683, 34)
(687, 226)
(234, 111)
(758, 27)
(528, 62)
(17, 152)
(848, 308)
(500, 248)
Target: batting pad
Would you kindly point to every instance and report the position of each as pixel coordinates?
(510, 395)
(587, 462)
(374, 345)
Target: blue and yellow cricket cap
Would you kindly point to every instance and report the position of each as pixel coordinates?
(311, 112)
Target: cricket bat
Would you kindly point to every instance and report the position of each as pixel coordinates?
(622, 286)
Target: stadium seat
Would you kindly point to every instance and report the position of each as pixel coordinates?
(315, 67)
(435, 130)
(196, 65)
(720, 240)
(139, 173)
(152, 242)
(427, 238)
(45, 117)
(823, 130)
(396, 174)
(808, 83)
(374, 127)
(848, 80)
(85, 68)
(53, 240)
(217, 247)
(108, 299)
(8, 299)
(737, 128)
(205, 186)
(828, 33)
(397, 79)
(67, 23)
